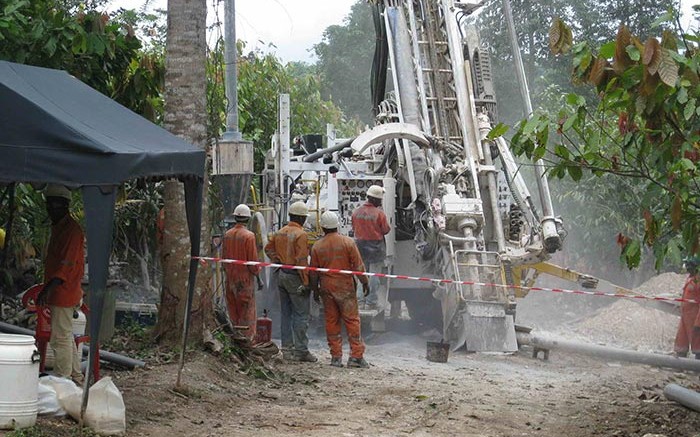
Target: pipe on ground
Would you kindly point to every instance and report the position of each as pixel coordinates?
(609, 353)
(685, 397)
(111, 357)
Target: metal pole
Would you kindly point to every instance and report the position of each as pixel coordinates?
(609, 353)
(683, 396)
(552, 239)
(231, 78)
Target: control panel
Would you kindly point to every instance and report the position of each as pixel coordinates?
(352, 193)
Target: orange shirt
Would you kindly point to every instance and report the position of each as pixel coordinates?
(65, 259)
(290, 246)
(239, 243)
(336, 251)
(691, 290)
(369, 223)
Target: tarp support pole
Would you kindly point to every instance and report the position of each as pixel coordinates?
(193, 206)
(99, 217)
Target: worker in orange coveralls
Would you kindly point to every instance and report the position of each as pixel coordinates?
(63, 272)
(369, 225)
(290, 246)
(688, 335)
(239, 243)
(336, 251)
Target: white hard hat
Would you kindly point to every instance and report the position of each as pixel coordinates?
(375, 191)
(242, 210)
(54, 190)
(329, 220)
(299, 208)
(296, 197)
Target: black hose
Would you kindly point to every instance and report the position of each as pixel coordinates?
(340, 146)
(380, 60)
(104, 355)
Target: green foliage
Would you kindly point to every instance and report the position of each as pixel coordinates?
(104, 52)
(261, 78)
(229, 348)
(498, 131)
(344, 62)
(645, 128)
(135, 239)
(593, 21)
(99, 49)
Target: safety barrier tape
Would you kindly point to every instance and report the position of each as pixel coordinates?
(436, 281)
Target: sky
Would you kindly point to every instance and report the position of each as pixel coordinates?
(292, 26)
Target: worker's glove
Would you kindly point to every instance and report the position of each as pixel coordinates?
(303, 289)
(365, 290)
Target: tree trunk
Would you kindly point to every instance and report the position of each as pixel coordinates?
(185, 116)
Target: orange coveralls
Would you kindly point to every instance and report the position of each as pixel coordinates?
(690, 318)
(336, 251)
(65, 260)
(239, 243)
(369, 223)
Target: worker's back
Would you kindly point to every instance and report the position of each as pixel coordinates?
(336, 251)
(239, 243)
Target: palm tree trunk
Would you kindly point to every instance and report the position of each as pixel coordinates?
(185, 116)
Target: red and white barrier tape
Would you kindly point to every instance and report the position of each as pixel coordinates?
(204, 260)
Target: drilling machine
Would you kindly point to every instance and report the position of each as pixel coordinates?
(457, 204)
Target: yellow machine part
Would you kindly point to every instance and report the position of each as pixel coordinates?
(585, 281)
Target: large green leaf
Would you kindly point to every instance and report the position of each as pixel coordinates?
(668, 69)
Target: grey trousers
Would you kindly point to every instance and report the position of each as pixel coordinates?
(295, 309)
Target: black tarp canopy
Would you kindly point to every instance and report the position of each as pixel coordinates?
(56, 129)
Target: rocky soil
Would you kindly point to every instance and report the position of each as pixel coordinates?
(404, 394)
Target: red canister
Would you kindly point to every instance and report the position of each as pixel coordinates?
(263, 328)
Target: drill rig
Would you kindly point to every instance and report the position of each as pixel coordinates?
(458, 205)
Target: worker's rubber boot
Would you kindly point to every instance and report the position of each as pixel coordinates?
(306, 357)
(337, 362)
(358, 363)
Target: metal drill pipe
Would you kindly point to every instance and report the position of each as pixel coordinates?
(609, 353)
(542, 183)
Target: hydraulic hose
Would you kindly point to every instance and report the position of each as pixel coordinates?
(380, 60)
(340, 146)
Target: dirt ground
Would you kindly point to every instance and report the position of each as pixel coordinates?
(404, 394)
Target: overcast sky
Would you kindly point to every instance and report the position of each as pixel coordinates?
(293, 26)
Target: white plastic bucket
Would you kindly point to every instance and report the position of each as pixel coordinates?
(19, 379)
(79, 323)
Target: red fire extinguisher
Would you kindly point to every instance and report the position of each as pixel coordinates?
(263, 328)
